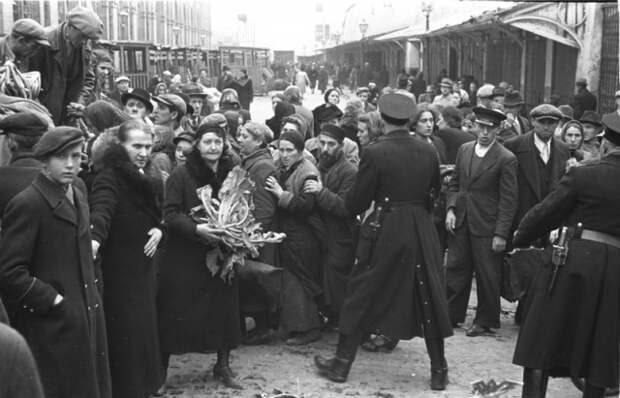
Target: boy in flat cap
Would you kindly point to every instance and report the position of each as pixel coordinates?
(47, 273)
(572, 327)
(25, 37)
(481, 204)
(396, 285)
(67, 74)
(542, 162)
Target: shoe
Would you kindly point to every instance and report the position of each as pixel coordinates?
(226, 376)
(304, 338)
(439, 378)
(335, 369)
(477, 330)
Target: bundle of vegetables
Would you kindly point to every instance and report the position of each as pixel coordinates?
(228, 220)
(16, 84)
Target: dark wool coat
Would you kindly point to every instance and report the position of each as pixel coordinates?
(66, 73)
(486, 199)
(197, 311)
(125, 205)
(18, 370)
(453, 138)
(575, 331)
(382, 293)
(45, 250)
(339, 249)
(323, 113)
(17, 176)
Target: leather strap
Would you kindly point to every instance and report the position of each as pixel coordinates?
(601, 237)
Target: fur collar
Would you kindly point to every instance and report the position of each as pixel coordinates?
(203, 174)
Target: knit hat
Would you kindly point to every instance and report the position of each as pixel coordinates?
(294, 138)
(333, 131)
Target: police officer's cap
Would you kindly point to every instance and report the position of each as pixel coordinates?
(57, 140)
(546, 111)
(27, 124)
(611, 121)
(488, 117)
(396, 106)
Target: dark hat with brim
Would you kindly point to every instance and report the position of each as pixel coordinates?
(141, 95)
(57, 140)
(184, 136)
(591, 117)
(611, 121)
(513, 98)
(333, 131)
(568, 113)
(546, 111)
(193, 90)
(498, 92)
(488, 117)
(396, 106)
(26, 124)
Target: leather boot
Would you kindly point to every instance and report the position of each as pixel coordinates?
(222, 371)
(534, 383)
(337, 369)
(439, 365)
(591, 391)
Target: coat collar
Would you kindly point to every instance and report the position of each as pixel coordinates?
(55, 197)
(25, 159)
(249, 161)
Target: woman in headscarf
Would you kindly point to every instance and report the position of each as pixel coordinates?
(572, 134)
(229, 101)
(327, 111)
(282, 109)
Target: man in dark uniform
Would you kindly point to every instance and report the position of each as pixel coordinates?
(573, 325)
(584, 100)
(481, 204)
(396, 285)
(23, 130)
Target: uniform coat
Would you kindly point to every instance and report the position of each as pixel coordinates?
(197, 311)
(17, 176)
(45, 250)
(484, 200)
(125, 205)
(339, 249)
(400, 263)
(574, 332)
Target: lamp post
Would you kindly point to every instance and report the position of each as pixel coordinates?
(363, 29)
(427, 8)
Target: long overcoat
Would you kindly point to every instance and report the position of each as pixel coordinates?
(45, 250)
(197, 312)
(575, 330)
(392, 261)
(125, 204)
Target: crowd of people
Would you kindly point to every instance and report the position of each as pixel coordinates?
(391, 203)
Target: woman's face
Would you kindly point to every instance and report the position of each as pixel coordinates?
(456, 99)
(289, 155)
(138, 146)
(274, 102)
(363, 134)
(182, 148)
(135, 108)
(211, 147)
(425, 124)
(573, 137)
(248, 143)
(333, 98)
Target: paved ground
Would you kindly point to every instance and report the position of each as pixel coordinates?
(403, 373)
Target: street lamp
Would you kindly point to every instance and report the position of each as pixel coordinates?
(427, 8)
(363, 29)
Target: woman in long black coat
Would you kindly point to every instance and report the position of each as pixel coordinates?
(327, 111)
(198, 312)
(126, 224)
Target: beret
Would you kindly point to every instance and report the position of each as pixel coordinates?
(611, 121)
(57, 140)
(30, 29)
(546, 111)
(485, 91)
(172, 101)
(396, 106)
(331, 130)
(488, 117)
(294, 138)
(27, 124)
(86, 21)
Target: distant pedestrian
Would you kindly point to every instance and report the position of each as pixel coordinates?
(583, 100)
(302, 80)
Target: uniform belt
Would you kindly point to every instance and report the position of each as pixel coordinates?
(420, 203)
(601, 237)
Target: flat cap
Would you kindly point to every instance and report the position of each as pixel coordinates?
(546, 111)
(333, 131)
(568, 113)
(396, 106)
(611, 121)
(86, 21)
(172, 101)
(57, 140)
(446, 82)
(591, 117)
(581, 81)
(488, 117)
(30, 29)
(486, 91)
(27, 124)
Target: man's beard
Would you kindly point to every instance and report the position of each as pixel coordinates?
(326, 160)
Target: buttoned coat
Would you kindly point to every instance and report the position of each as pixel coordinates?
(485, 198)
(45, 250)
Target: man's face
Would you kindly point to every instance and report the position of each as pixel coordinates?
(76, 38)
(181, 149)
(329, 147)
(445, 90)
(545, 127)
(138, 147)
(499, 99)
(290, 127)
(102, 71)
(589, 131)
(163, 115)
(196, 104)
(513, 109)
(122, 86)
(486, 134)
(363, 96)
(63, 167)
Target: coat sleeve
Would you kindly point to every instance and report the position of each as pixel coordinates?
(334, 202)
(548, 214)
(301, 204)
(265, 204)
(88, 85)
(103, 202)
(360, 197)
(453, 183)
(508, 198)
(20, 227)
(175, 217)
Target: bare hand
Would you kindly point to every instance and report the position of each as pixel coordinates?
(450, 221)
(499, 244)
(272, 185)
(311, 186)
(151, 245)
(95, 248)
(553, 235)
(164, 176)
(571, 162)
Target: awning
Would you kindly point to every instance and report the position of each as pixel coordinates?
(543, 27)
